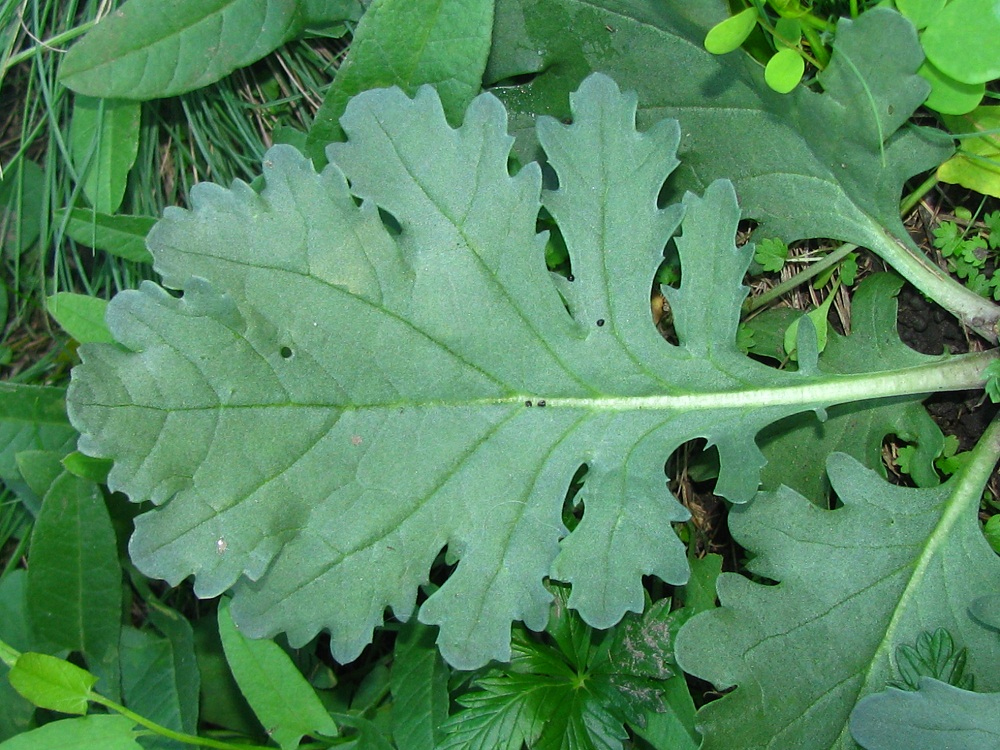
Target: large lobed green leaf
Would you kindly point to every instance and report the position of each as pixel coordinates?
(852, 585)
(330, 403)
(805, 164)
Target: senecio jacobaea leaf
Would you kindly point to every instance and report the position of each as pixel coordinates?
(332, 403)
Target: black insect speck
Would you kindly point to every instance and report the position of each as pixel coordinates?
(600, 322)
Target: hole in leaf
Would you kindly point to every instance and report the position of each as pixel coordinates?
(285, 352)
(744, 229)
(390, 222)
(556, 253)
(691, 472)
(441, 569)
(550, 178)
(668, 274)
(572, 510)
(520, 79)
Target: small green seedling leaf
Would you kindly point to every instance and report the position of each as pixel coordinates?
(104, 141)
(109, 732)
(119, 235)
(728, 35)
(961, 40)
(820, 324)
(52, 683)
(285, 703)
(788, 31)
(784, 70)
(81, 316)
(933, 655)
(771, 253)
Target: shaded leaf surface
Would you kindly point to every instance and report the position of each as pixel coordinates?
(853, 584)
(74, 580)
(32, 418)
(408, 43)
(419, 682)
(283, 700)
(329, 404)
(804, 164)
(160, 680)
(84, 733)
(796, 446)
(936, 716)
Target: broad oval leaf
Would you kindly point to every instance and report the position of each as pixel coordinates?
(330, 404)
(784, 70)
(148, 49)
(961, 40)
(728, 35)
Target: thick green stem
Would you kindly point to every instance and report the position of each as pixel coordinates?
(821, 53)
(910, 201)
(187, 739)
(814, 269)
(976, 312)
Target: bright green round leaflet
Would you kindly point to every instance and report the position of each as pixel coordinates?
(784, 70)
(728, 35)
(920, 12)
(788, 31)
(948, 96)
(962, 40)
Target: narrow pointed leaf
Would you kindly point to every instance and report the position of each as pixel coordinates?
(285, 703)
(74, 580)
(330, 404)
(160, 682)
(852, 585)
(419, 689)
(122, 236)
(104, 140)
(80, 315)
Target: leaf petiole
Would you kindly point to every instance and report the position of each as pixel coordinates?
(187, 739)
